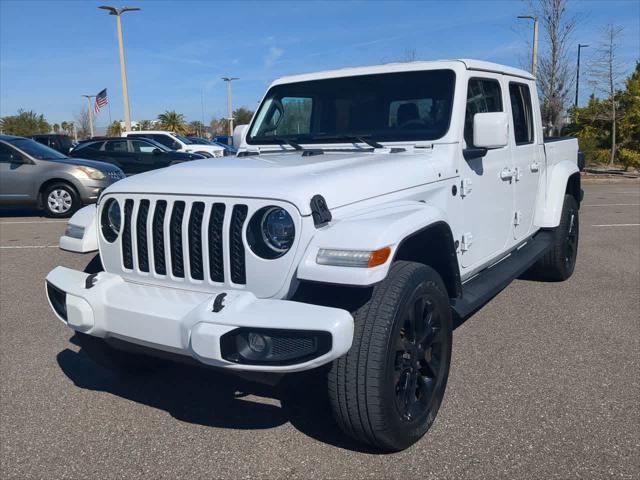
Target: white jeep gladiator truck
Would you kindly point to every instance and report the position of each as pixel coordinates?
(369, 210)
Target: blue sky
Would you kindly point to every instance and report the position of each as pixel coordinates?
(51, 52)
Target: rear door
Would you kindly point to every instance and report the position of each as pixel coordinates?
(117, 152)
(527, 157)
(487, 196)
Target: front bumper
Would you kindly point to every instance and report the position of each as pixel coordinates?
(185, 322)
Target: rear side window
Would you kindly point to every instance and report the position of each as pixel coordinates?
(165, 140)
(116, 146)
(522, 113)
(483, 95)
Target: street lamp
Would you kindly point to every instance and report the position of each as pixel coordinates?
(123, 69)
(89, 97)
(229, 107)
(534, 56)
(580, 46)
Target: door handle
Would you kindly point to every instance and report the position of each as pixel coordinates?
(534, 167)
(506, 174)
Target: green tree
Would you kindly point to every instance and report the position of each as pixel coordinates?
(145, 125)
(242, 116)
(196, 128)
(24, 123)
(629, 125)
(219, 126)
(173, 121)
(56, 128)
(115, 129)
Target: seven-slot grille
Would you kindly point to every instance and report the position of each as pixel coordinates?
(184, 239)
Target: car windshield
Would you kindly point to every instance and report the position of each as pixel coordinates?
(36, 150)
(403, 106)
(183, 139)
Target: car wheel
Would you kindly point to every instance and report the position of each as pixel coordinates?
(559, 262)
(387, 390)
(205, 154)
(60, 200)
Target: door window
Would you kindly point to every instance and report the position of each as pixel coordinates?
(140, 146)
(118, 146)
(522, 113)
(9, 155)
(165, 140)
(483, 95)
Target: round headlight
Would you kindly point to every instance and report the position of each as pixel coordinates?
(111, 220)
(271, 232)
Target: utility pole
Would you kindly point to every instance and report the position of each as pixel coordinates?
(580, 46)
(534, 55)
(90, 109)
(123, 68)
(229, 104)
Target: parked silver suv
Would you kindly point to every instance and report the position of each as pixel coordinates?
(34, 174)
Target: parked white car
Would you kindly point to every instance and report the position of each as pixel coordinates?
(372, 209)
(177, 142)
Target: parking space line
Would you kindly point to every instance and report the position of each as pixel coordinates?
(30, 221)
(614, 205)
(27, 246)
(618, 225)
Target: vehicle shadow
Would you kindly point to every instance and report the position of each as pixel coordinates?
(21, 212)
(209, 397)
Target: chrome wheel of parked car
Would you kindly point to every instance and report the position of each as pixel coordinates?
(60, 200)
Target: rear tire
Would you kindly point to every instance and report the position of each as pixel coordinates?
(60, 200)
(387, 390)
(559, 262)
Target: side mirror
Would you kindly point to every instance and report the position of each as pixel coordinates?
(156, 151)
(12, 158)
(175, 146)
(490, 130)
(238, 135)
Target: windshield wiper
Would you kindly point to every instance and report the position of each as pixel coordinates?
(351, 138)
(291, 143)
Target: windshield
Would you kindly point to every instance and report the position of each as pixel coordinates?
(403, 106)
(183, 139)
(36, 150)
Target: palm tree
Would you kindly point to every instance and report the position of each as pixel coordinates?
(145, 125)
(172, 121)
(196, 128)
(115, 129)
(24, 123)
(56, 128)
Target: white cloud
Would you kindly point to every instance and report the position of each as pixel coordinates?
(272, 56)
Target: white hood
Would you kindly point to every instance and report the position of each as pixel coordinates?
(341, 178)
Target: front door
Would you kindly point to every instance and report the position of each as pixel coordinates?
(487, 193)
(117, 153)
(17, 183)
(527, 158)
(146, 159)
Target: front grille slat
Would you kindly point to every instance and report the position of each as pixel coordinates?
(189, 240)
(236, 246)
(141, 230)
(127, 247)
(195, 241)
(175, 239)
(158, 237)
(216, 259)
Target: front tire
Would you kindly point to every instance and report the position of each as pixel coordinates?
(60, 200)
(387, 390)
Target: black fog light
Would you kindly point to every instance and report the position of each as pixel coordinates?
(58, 300)
(260, 346)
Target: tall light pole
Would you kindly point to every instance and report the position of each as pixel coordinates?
(580, 46)
(229, 106)
(89, 97)
(534, 55)
(123, 69)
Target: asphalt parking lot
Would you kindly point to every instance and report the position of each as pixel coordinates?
(544, 384)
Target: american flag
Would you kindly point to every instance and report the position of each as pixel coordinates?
(101, 100)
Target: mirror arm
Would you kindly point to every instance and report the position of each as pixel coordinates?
(473, 152)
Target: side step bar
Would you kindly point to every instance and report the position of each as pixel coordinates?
(492, 280)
